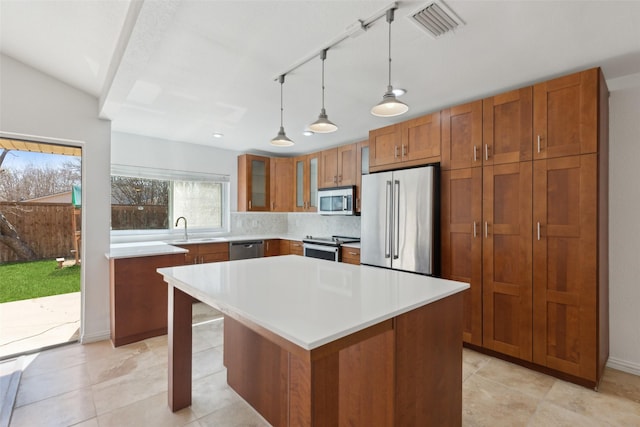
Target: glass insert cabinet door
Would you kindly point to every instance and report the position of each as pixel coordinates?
(300, 202)
(313, 182)
(306, 183)
(258, 184)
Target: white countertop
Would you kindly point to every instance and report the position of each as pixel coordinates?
(307, 301)
(142, 249)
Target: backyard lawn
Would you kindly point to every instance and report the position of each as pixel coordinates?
(26, 280)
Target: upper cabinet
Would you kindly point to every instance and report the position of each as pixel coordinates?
(507, 127)
(305, 182)
(565, 115)
(410, 143)
(338, 166)
(462, 136)
(281, 184)
(253, 183)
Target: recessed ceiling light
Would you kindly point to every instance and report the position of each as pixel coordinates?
(308, 133)
(218, 135)
(399, 91)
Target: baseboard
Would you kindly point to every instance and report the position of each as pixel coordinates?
(623, 365)
(95, 337)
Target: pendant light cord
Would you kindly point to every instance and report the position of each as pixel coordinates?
(323, 56)
(281, 100)
(390, 20)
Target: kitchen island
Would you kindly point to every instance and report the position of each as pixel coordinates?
(309, 342)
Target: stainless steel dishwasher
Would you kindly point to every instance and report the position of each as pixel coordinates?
(246, 249)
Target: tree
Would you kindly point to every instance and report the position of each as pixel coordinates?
(8, 233)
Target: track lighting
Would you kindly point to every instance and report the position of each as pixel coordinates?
(389, 106)
(323, 124)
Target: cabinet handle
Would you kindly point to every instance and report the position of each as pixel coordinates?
(273, 205)
(404, 151)
(249, 204)
(538, 230)
(339, 178)
(475, 153)
(395, 151)
(539, 138)
(486, 151)
(353, 253)
(486, 229)
(335, 179)
(475, 232)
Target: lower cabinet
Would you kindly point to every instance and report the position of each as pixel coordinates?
(295, 247)
(138, 297)
(200, 253)
(272, 247)
(350, 255)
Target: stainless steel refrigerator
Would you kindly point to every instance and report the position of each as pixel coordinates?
(399, 218)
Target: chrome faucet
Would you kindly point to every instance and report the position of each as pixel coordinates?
(186, 237)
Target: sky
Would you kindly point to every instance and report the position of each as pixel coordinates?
(20, 159)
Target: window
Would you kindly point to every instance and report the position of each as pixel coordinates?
(152, 199)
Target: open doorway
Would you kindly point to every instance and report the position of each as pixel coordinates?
(40, 242)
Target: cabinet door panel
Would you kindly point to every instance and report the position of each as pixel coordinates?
(281, 182)
(507, 123)
(462, 136)
(328, 176)
(383, 145)
(507, 259)
(566, 115)
(347, 164)
(565, 264)
(421, 138)
(462, 242)
(299, 173)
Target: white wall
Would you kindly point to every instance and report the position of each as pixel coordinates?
(624, 224)
(136, 150)
(38, 107)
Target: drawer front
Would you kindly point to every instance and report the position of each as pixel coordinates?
(350, 255)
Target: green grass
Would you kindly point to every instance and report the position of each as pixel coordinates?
(26, 280)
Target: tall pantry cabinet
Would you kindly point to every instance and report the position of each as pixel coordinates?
(524, 220)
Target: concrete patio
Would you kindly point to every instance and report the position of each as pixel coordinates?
(37, 323)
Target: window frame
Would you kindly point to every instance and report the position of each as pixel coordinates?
(173, 232)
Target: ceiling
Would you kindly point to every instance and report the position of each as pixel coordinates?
(184, 70)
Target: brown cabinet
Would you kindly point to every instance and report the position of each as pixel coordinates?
(462, 136)
(410, 143)
(253, 183)
(461, 242)
(138, 297)
(507, 127)
(295, 247)
(305, 182)
(350, 255)
(272, 247)
(281, 184)
(200, 253)
(566, 115)
(565, 256)
(338, 166)
(507, 259)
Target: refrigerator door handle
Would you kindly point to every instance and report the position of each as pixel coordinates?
(387, 221)
(396, 237)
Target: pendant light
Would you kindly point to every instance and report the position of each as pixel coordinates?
(389, 106)
(281, 139)
(323, 124)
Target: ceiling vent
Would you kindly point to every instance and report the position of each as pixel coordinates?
(437, 19)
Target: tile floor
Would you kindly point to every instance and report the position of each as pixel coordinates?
(97, 385)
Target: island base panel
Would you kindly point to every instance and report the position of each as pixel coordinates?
(408, 376)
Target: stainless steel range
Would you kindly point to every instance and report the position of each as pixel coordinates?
(325, 247)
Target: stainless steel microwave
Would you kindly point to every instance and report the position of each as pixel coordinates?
(336, 200)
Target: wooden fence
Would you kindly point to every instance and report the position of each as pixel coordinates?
(45, 227)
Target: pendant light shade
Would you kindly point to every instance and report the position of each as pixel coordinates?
(389, 106)
(281, 139)
(323, 124)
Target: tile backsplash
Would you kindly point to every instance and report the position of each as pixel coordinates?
(295, 224)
